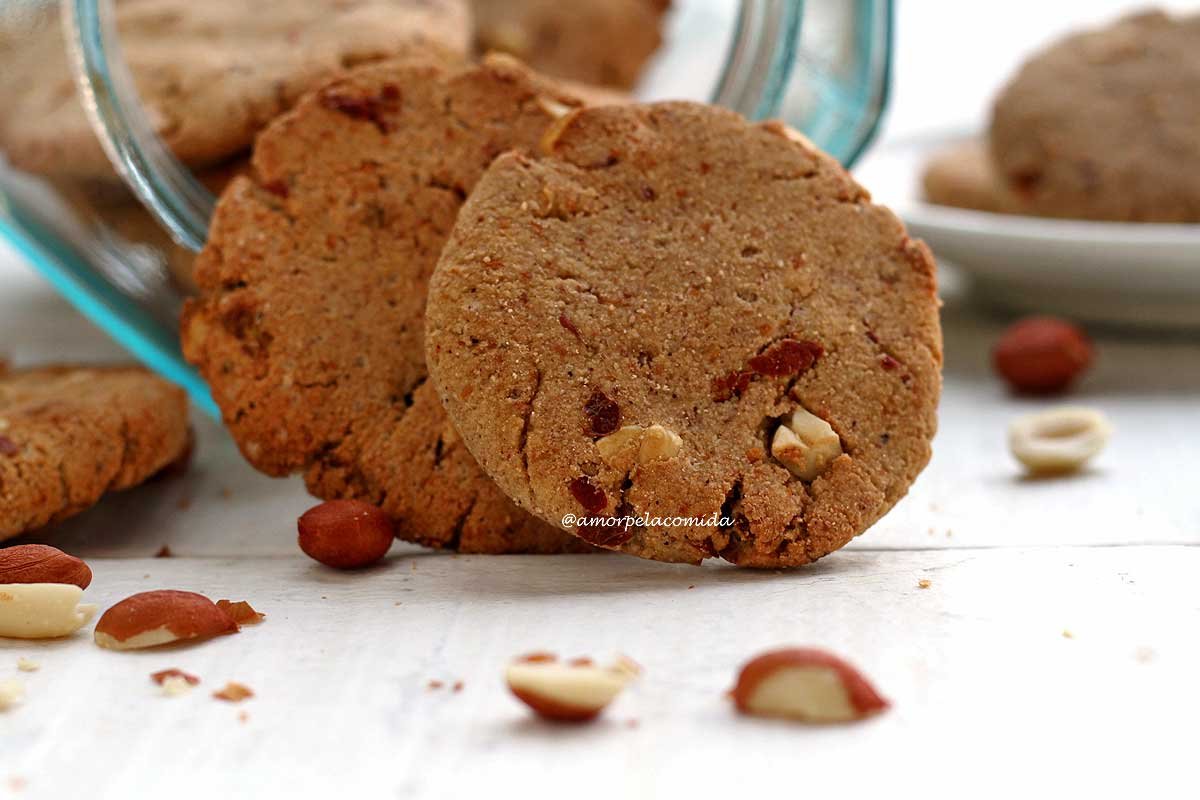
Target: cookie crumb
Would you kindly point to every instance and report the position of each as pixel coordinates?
(164, 552)
(175, 685)
(434, 685)
(1066, 634)
(28, 665)
(924, 583)
(163, 675)
(226, 492)
(243, 717)
(183, 503)
(234, 692)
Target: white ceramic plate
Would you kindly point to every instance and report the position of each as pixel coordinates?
(1125, 273)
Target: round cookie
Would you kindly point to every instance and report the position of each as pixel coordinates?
(962, 176)
(658, 321)
(601, 42)
(310, 323)
(1105, 124)
(70, 434)
(210, 74)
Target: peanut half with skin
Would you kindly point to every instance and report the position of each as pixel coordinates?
(40, 587)
(163, 616)
(807, 685)
(570, 691)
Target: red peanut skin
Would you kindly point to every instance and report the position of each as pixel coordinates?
(345, 534)
(41, 563)
(185, 614)
(863, 697)
(1041, 355)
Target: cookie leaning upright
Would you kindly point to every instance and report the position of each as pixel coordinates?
(70, 434)
(1105, 124)
(310, 324)
(664, 318)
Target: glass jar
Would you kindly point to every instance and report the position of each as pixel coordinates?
(120, 250)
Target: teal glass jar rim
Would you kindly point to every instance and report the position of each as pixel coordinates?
(778, 65)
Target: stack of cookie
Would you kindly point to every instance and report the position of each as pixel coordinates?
(517, 322)
(521, 315)
(212, 75)
(1101, 125)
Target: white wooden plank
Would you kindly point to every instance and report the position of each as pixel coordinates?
(987, 692)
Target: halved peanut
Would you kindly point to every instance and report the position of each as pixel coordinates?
(1060, 440)
(163, 616)
(571, 691)
(42, 610)
(805, 684)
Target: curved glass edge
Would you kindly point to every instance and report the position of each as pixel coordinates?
(167, 188)
(839, 110)
(875, 38)
(148, 341)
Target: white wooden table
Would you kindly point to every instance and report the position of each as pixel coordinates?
(1057, 643)
(1056, 649)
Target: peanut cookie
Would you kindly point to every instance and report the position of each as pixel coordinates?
(681, 315)
(70, 434)
(602, 42)
(962, 176)
(111, 205)
(210, 74)
(1105, 124)
(310, 326)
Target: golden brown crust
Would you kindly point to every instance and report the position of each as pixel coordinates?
(310, 324)
(674, 265)
(68, 435)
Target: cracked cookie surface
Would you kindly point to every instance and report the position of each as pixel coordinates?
(210, 74)
(310, 323)
(70, 434)
(621, 329)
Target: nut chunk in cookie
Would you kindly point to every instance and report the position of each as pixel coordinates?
(70, 434)
(694, 325)
(310, 324)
